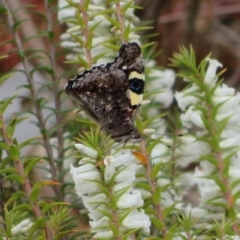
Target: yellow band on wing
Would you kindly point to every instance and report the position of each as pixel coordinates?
(135, 98)
(135, 74)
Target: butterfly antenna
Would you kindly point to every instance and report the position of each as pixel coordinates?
(163, 134)
(124, 142)
(103, 141)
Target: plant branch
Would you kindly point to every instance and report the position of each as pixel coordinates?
(55, 81)
(152, 184)
(26, 183)
(120, 19)
(86, 33)
(33, 91)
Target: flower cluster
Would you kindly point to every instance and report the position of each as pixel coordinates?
(213, 110)
(101, 31)
(110, 196)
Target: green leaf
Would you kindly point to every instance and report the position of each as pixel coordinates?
(157, 223)
(3, 11)
(157, 195)
(49, 206)
(17, 24)
(82, 61)
(3, 145)
(113, 21)
(36, 227)
(129, 233)
(235, 183)
(126, 6)
(103, 189)
(8, 170)
(155, 171)
(5, 77)
(14, 177)
(4, 104)
(11, 128)
(236, 196)
(219, 182)
(47, 69)
(123, 215)
(94, 26)
(168, 210)
(15, 196)
(78, 39)
(127, 31)
(85, 5)
(14, 152)
(31, 164)
(27, 142)
(80, 22)
(98, 56)
(114, 229)
(106, 213)
(144, 186)
(51, 35)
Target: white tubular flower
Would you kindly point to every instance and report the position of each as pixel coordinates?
(208, 188)
(103, 234)
(83, 180)
(196, 212)
(87, 150)
(133, 199)
(120, 169)
(21, 227)
(230, 107)
(210, 77)
(137, 219)
(192, 118)
(228, 237)
(165, 98)
(186, 97)
(182, 236)
(160, 153)
(189, 150)
(162, 81)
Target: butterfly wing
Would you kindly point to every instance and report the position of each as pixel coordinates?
(112, 94)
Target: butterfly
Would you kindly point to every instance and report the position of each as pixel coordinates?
(112, 94)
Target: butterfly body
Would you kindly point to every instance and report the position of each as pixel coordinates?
(111, 94)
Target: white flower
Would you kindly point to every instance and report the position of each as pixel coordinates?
(186, 97)
(83, 180)
(191, 118)
(210, 78)
(196, 212)
(163, 81)
(228, 237)
(22, 227)
(87, 150)
(190, 150)
(137, 219)
(165, 98)
(133, 199)
(208, 188)
(160, 153)
(163, 78)
(103, 234)
(93, 201)
(182, 236)
(224, 90)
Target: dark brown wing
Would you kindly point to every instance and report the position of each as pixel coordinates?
(105, 93)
